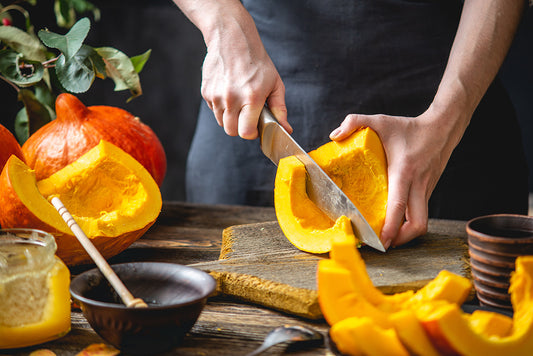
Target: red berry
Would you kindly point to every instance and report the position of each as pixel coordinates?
(6, 21)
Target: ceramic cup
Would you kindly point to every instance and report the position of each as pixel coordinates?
(494, 242)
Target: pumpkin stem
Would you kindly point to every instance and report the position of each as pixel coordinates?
(70, 107)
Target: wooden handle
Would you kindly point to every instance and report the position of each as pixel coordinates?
(102, 264)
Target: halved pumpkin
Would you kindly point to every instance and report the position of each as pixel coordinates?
(111, 195)
(357, 165)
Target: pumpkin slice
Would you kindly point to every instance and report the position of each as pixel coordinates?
(345, 291)
(339, 299)
(455, 333)
(490, 324)
(111, 195)
(362, 336)
(358, 165)
(412, 334)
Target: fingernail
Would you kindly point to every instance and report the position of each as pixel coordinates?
(335, 132)
(386, 244)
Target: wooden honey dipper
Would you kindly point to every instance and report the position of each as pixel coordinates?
(127, 298)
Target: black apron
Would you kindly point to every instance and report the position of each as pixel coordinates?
(364, 56)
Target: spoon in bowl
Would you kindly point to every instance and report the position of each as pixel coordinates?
(107, 271)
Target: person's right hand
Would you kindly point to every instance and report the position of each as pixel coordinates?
(238, 76)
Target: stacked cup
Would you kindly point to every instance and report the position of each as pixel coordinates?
(494, 242)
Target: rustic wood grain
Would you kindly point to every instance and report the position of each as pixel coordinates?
(258, 264)
(189, 234)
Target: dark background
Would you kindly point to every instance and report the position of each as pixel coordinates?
(171, 78)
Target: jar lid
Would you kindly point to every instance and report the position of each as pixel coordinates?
(23, 250)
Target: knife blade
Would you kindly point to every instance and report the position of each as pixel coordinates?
(276, 144)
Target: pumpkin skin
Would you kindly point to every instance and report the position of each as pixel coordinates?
(111, 196)
(357, 165)
(78, 128)
(9, 146)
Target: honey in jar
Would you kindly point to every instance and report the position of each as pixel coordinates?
(34, 289)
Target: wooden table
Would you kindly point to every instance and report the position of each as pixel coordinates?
(187, 234)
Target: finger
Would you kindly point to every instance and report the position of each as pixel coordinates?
(230, 120)
(218, 111)
(395, 214)
(416, 218)
(349, 125)
(276, 104)
(248, 118)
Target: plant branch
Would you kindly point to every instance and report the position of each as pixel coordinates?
(50, 63)
(10, 83)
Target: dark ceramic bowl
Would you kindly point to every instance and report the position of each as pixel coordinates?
(175, 294)
(494, 242)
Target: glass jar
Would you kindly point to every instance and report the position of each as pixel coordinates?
(34, 289)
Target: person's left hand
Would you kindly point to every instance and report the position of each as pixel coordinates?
(417, 150)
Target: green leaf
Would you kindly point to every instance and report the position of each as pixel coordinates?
(66, 10)
(70, 43)
(18, 70)
(21, 126)
(98, 64)
(77, 74)
(38, 114)
(140, 60)
(22, 42)
(120, 69)
(46, 97)
(65, 14)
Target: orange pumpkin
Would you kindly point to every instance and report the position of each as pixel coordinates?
(9, 146)
(78, 128)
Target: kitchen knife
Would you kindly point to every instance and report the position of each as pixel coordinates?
(276, 143)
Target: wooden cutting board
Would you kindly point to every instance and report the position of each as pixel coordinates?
(259, 265)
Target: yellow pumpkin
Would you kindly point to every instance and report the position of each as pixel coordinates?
(111, 195)
(357, 165)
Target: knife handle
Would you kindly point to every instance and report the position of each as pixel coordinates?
(265, 117)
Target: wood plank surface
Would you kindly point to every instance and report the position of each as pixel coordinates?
(191, 234)
(259, 265)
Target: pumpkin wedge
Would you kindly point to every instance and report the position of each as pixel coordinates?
(456, 333)
(357, 165)
(112, 197)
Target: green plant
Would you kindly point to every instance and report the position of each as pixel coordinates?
(41, 66)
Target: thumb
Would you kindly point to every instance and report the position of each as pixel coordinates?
(350, 124)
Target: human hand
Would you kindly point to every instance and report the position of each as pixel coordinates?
(239, 77)
(417, 150)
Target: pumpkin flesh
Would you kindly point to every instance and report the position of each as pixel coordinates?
(358, 166)
(111, 196)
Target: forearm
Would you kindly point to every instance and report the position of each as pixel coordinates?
(218, 19)
(483, 38)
